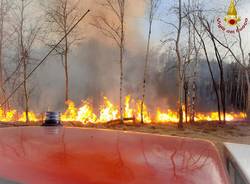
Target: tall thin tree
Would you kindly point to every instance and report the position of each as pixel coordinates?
(115, 29)
(61, 15)
(153, 7)
(179, 65)
(27, 34)
(4, 10)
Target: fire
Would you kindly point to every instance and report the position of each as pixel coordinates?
(169, 116)
(108, 111)
(86, 114)
(145, 113)
(214, 116)
(71, 113)
(129, 112)
(32, 117)
(7, 116)
(12, 115)
(132, 110)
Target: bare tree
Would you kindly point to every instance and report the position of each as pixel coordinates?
(26, 36)
(183, 59)
(4, 10)
(222, 81)
(180, 83)
(114, 29)
(192, 18)
(153, 7)
(61, 15)
(246, 72)
(186, 78)
(206, 26)
(197, 46)
(241, 61)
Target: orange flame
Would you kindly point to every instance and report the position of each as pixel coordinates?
(109, 112)
(32, 117)
(129, 112)
(7, 116)
(169, 116)
(145, 113)
(85, 113)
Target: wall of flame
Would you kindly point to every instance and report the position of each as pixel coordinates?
(109, 112)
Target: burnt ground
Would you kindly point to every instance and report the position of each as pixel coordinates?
(236, 132)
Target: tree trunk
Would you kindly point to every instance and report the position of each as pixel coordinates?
(248, 94)
(146, 66)
(246, 75)
(194, 86)
(25, 89)
(222, 81)
(223, 94)
(179, 67)
(24, 62)
(121, 68)
(66, 70)
(1, 45)
(66, 49)
(193, 102)
(122, 40)
(121, 84)
(180, 102)
(186, 100)
(3, 97)
(209, 67)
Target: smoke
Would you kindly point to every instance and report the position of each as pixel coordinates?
(93, 63)
(94, 69)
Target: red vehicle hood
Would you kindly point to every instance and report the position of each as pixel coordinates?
(90, 156)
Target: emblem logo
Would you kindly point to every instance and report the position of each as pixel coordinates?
(232, 23)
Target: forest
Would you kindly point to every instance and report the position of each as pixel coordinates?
(119, 60)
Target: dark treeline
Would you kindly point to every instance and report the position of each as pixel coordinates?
(236, 87)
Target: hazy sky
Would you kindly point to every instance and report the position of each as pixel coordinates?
(160, 30)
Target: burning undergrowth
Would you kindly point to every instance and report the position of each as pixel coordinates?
(108, 112)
